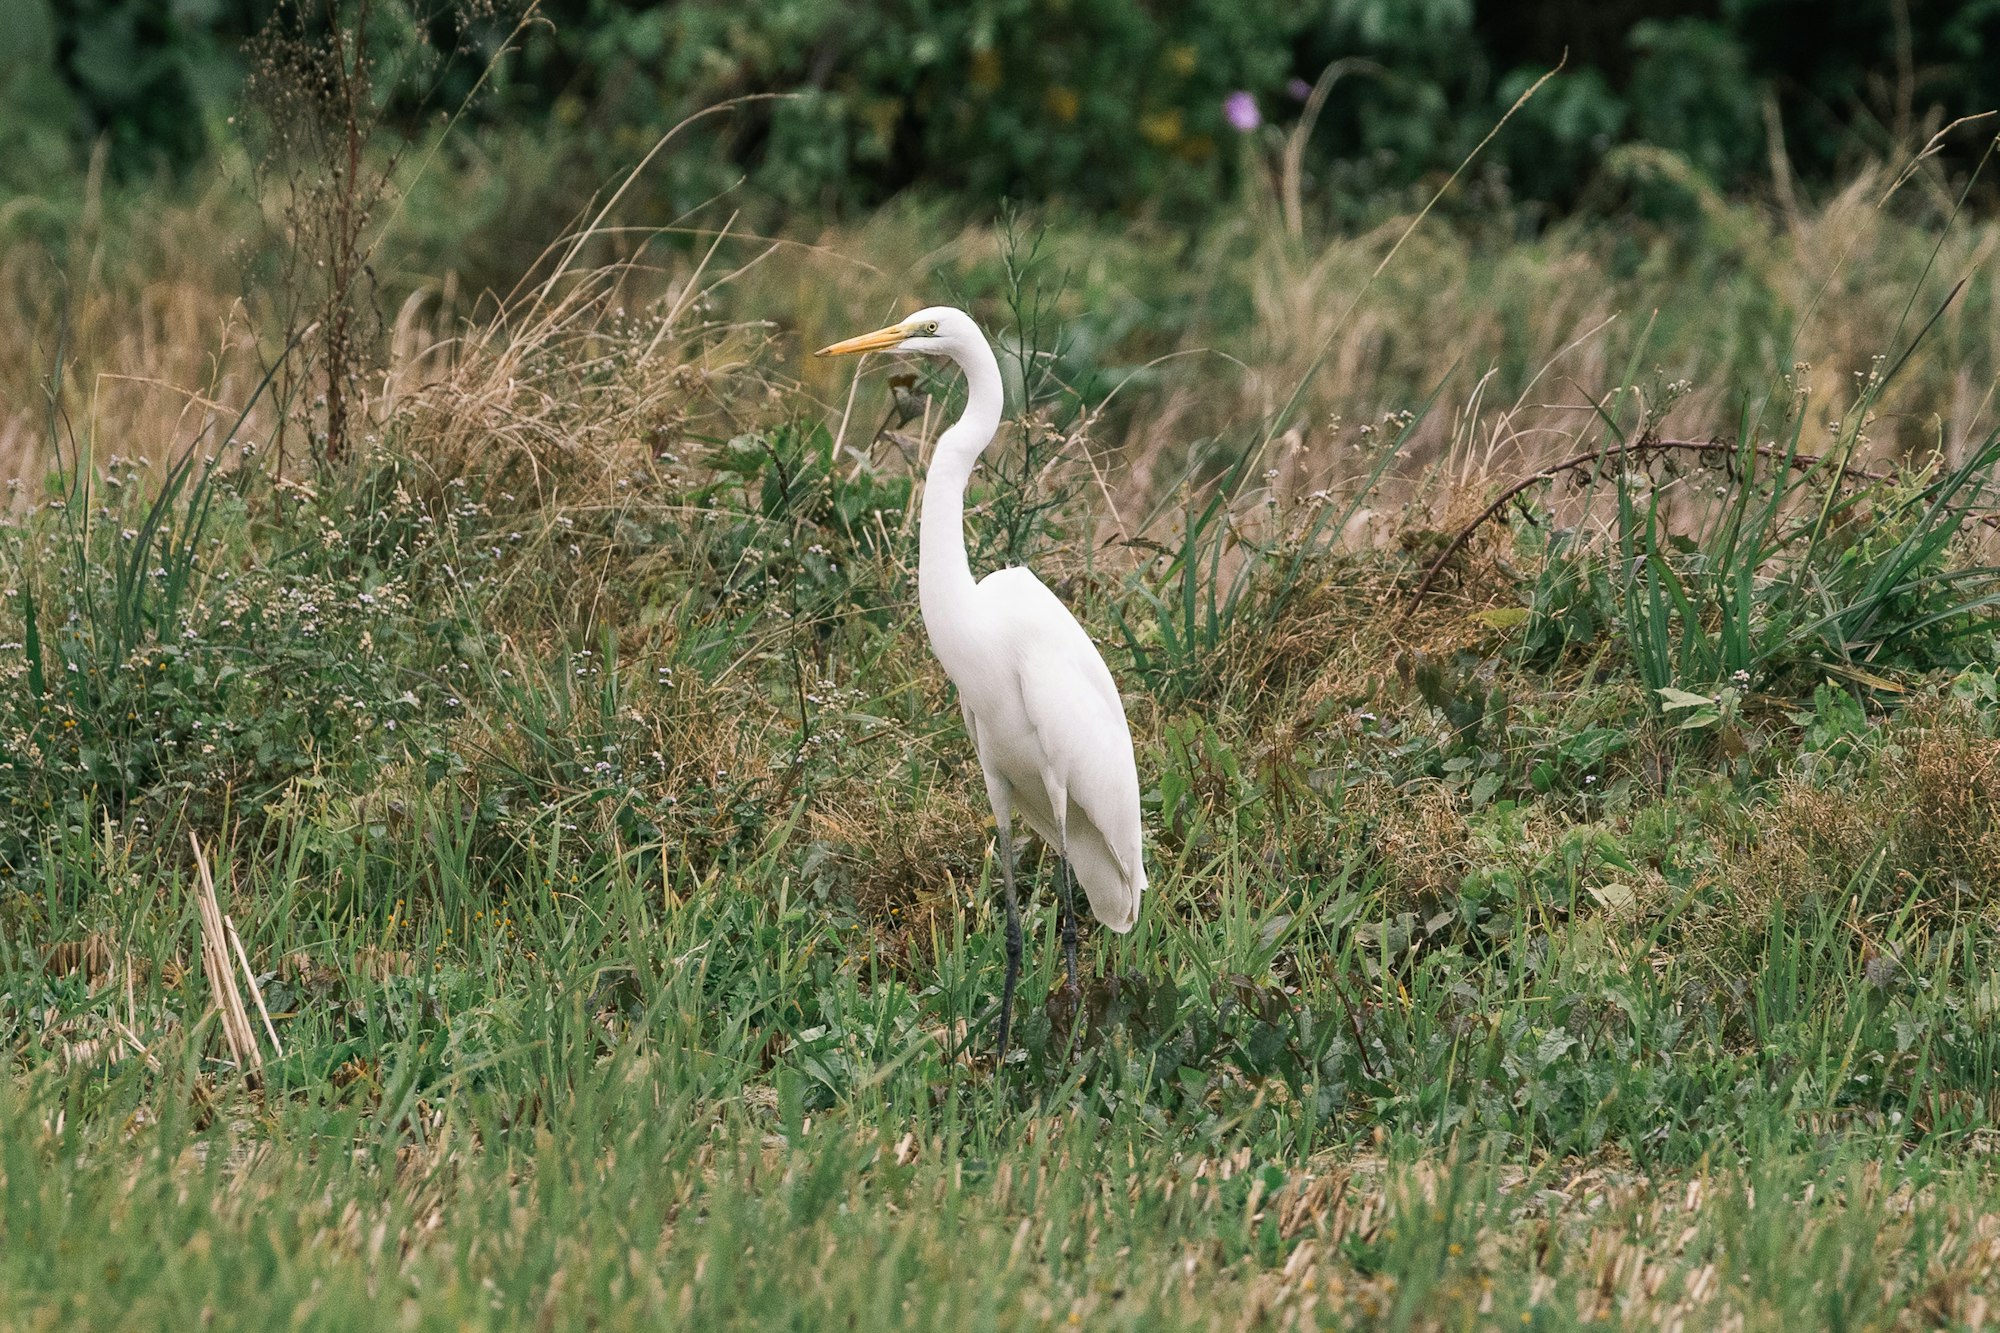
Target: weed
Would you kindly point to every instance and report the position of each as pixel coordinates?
(611, 857)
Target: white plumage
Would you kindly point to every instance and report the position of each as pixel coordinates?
(1040, 704)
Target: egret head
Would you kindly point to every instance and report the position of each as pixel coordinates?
(939, 330)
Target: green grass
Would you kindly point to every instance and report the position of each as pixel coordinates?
(629, 1101)
(1447, 1028)
(1606, 937)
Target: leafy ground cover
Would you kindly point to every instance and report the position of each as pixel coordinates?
(1579, 913)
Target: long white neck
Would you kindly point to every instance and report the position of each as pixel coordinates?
(944, 577)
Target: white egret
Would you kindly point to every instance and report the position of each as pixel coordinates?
(1039, 703)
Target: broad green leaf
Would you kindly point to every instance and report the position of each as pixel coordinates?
(1502, 617)
(1674, 698)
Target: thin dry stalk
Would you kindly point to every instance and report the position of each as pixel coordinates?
(1293, 172)
(132, 1043)
(236, 1029)
(256, 991)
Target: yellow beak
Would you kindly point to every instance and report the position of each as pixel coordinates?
(867, 342)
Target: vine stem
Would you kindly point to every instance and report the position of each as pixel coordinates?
(1637, 449)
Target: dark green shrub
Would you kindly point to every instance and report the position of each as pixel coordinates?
(1098, 102)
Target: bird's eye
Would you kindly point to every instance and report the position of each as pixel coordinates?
(931, 327)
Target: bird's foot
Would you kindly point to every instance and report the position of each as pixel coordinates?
(1064, 1010)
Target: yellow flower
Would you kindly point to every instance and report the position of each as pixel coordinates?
(1062, 103)
(1197, 149)
(985, 75)
(1161, 127)
(1181, 59)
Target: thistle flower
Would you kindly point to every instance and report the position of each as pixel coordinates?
(1240, 110)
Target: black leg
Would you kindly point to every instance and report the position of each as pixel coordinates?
(1013, 959)
(1066, 882)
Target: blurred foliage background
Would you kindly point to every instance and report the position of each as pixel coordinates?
(1100, 104)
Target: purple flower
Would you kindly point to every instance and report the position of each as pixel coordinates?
(1240, 110)
(1299, 89)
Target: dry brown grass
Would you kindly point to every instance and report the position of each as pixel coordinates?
(1539, 332)
(1417, 840)
(589, 371)
(575, 387)
(144, 315)
(908, 865)
(1918, 832)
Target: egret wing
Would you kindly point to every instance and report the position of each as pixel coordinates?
(1072, 703)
